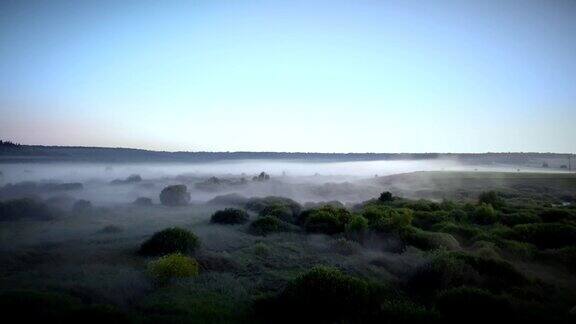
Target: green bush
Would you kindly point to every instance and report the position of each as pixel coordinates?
(326, 219)
(429, 240)
(521, 217)
(261, 249)
(497, 274)
(322, 295)
(357, 227)
(554, 215)
(176, 195)
(171, 266)
(282, 212)
(467, 304)
(386, 219)
(265, 225)
(465, 232)
(230, 216)
(170, 240)
(323, 222)
(422, 205)
(456, 269)
(425, 220)
(492, 198)
(484, 214)
(545, 236)
(458, 215)
(258, 204)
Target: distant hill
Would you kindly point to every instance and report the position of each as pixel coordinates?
(11, 152)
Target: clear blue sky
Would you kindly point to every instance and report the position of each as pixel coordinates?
(326, 76)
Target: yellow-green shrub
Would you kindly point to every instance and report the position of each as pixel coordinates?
(171, 266)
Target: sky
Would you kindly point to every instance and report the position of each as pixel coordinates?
(302, 76)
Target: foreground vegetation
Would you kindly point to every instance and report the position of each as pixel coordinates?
(271, 260)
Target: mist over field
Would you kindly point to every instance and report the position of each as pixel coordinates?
(300, 180)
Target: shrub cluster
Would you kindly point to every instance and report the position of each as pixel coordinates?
(326, 295)
(265, 225)
(25, 208)
(545, 235)
(170, 240)
(176, 195)
(258, 204)
(143, 201)
(230, 216)
(326, 219)
(484, 214)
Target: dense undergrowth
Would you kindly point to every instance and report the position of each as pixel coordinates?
(476, 256)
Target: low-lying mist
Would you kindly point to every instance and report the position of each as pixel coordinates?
(124, 182)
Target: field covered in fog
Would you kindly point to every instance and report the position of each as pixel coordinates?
(409, 239)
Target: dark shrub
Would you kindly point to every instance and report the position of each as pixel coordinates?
(323, 222)
(386, 197)
(81, 206)
(326, 295)
(170, 240)
(458, 215)
(62, 186)
(464, 232)
(521, 217)
(131, 179)
(484, 215)
(282, 212)
(143, 201)
(176, 195)
(545, 236)
(456, 269)
(444, 271)
(386, 219)
(25, 209)
(422, 205)
(265, 225)
(491, 198)
(258, 204)
(326, 219)
(318, 204)
(357, 228)
(230, 216)
(425, 220)
(232, 199)
(555, 215)
(496, 274)
(263, 176)
(322, 295)
(429, 240)
(565, 256)
(47, 307)
(33, 305)
(466, 304)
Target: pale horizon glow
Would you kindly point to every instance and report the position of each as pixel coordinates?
(290, 76)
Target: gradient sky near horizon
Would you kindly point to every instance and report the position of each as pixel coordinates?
(324, 76)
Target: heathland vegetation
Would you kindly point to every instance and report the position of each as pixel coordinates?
(496, 255)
